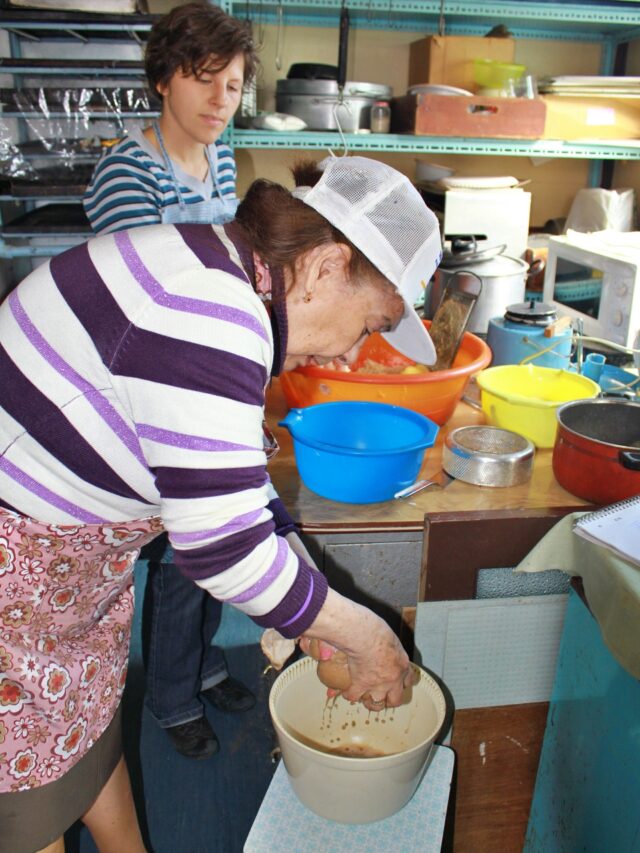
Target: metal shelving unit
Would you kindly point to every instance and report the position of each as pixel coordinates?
(104, 115)
(33, 27)
(75, 26)
(610, 24)
(586, 21)
(71, 68)
(437, 144)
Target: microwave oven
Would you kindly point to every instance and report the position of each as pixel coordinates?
(596, 278)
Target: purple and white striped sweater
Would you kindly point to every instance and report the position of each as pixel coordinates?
(132, 378)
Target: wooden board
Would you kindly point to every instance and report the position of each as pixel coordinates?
(497, 751)
(458, 544)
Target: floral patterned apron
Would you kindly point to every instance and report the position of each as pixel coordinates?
(66, 605)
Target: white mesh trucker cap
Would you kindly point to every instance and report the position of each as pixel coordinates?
(383, 214)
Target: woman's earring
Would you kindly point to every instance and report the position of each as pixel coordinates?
(307, 297)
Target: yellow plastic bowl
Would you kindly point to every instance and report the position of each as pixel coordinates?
(432, 394)
(491, 74)
(525, 398)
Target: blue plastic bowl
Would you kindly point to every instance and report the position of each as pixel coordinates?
(359, 452)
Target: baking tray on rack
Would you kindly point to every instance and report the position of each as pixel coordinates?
(85, 148)
(67, 67)
(77, 8)
(71, 102)
(50, 220)
(54, 181)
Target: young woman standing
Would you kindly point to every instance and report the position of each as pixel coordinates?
(197, 60)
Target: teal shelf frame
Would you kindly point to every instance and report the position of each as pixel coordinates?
(561, 20)
(314, 140)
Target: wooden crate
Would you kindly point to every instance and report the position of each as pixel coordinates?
(452, 115)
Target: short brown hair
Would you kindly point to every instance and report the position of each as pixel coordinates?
(188, 36)
(281, 227)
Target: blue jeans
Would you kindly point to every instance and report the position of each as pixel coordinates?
(181, 660)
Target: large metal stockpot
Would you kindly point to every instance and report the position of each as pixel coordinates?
(315, 102)
(503, 284)
(596, 455)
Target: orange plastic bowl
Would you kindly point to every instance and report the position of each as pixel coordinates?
(432, 394)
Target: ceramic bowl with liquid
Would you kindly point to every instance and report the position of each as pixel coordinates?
(344, 762)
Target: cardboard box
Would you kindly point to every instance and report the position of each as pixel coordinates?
(501, 215)
(570, 117)
(453, 115)
(449, 59)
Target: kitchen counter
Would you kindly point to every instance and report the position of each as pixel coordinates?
(427, 547)
(315, 514)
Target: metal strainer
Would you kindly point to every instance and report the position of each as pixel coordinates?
(487, 456)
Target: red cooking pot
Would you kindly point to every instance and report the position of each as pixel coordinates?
(596, 455)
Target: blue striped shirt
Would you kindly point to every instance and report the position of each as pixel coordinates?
(131, 185)
(133, 371)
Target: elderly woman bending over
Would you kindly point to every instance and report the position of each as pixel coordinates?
(132, 388)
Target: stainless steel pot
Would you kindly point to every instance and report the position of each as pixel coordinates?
(314, 101)
(503, 284)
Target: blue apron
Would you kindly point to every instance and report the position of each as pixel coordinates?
(215, 211)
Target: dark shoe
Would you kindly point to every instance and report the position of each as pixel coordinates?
(195, 739)
(230, 695)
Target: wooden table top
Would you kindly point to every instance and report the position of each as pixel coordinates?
(316, 514)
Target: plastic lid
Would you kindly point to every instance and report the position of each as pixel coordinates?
(467, 251)
(531, 313)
